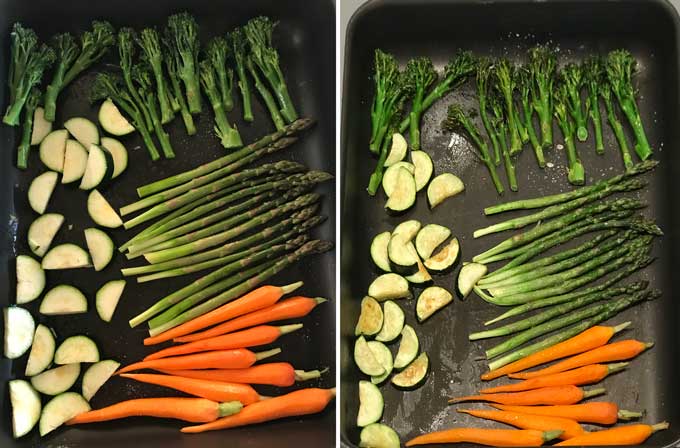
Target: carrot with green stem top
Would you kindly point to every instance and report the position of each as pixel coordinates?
(300, 402)
(621, 435)
(220, 359)
(568, 427)
(600, 412)
(280, 374)
(490, 437)
(544, 395)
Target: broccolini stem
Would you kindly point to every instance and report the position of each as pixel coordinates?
(25, 145)
(267, 97)
(617, 127)
(377, 175)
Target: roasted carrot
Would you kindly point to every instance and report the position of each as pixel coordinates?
(257, 299)
(252, 337)
(212, 390)
(616, 351)
(287, 309)
(600, 412)
(224, 359)
(621, 435)
(197, 410)
(591, 374)
(545, 395)
(300, 402)
(280, 374)
(568, 427)
(591, 338)
(490, 437)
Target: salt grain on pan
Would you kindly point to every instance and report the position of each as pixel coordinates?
(560, 146)
(550, 164)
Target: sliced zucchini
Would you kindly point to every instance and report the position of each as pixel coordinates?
(26, 407)
(83, 130)
(40, 191)
(468, 277)
(445, 258)
(379, 251)
(19, 330)
(404, 194)
(371, 317)
(371, 404)
(98, 374)
(393, 322)
(429, 238)
(409, 229)
(421, 275)
(75, 162)
(100, 246)
(423, 168)
(101, 211)
(442, 187)
(107, 298)
(377, 435)
(99, 168)
(389, 181)
(431, 300)
(414, 373)
(66, 256)
(42, 351)
(408, 347)
(384, 357)
(365, 359)
(76, 349)
(397, 150)
(400, 254)
(63, 299)
(42, 232)
(52, 149)
(41, 127)
(61, 409)
(30, 279)
(58, 380)
(118, 153)
(389, 286)
(112, 121)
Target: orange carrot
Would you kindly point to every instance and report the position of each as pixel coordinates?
(280, 374)
(593, 373)
(490, 437)
(257, 299)
(212, 390)
(545, 395)
(600, 412)
(264, 334)
(621, 435)
(197, 410)
(568, 427)
(300, 402)
(288, 309)
(225, 359)
(616, 351)
(591, 338)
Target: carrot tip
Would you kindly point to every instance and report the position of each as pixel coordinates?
(292, 287)
(285, 329)
(320, 300)
(622, 326)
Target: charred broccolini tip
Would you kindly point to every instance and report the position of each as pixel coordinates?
(218, 52)
(66, 51)
(484, 72)
(542, 67)
(422, 75)
(182, 34)
(593, 73)
(228, 134)
(572, 78)
(239, 46)
(565, 121)
(141, 75)
(527, 113)
(25, 144)
(605, 92)
(506, 85)
(171, 60)
(150, 43)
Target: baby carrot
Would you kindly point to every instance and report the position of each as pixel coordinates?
(224, 359)
(600, 412)
(616, 351)
(621, 435)
(568, 427)
(490, 437)
(287, 309)
(257, 299)
(300, 402)
(545, 395)
(261, 335)
(588, 340)
(280, 374)
(212, 390)
(197, 410)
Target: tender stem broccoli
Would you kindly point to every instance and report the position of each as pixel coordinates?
(218, 51)
(527, 118)
(620, 68)
(141, 75)
(421, 74)
(605, 92)
(500, 124)
(573, 79)
(228, 134)
(258, 32)
(28, 61)
(505, 84)
(457, 119)
(519, 115)
(126, 52)
(240, 51)
(171, 60)
(108, 86)
(66, 51)
(25, 145)
(182, 33)
(565, 121)
(594, 75)
(386, 77)
(542, 66)
(267, 97)
(484, 71)
(375, 180)
(150, 43)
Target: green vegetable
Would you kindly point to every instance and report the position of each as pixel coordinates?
(182, 34)
(126, 53)
(24, 147)
(228, 134)
(527, 113)
(571, 81)
(605, 92)
(141, 77)
(173, 60)
(421, 74)
(501, 127)
(576, 174)
(542, 66)
(484, 72)
(240, 52)
(150, 43)
(594, 75)
(218, 52)
(506, 86)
